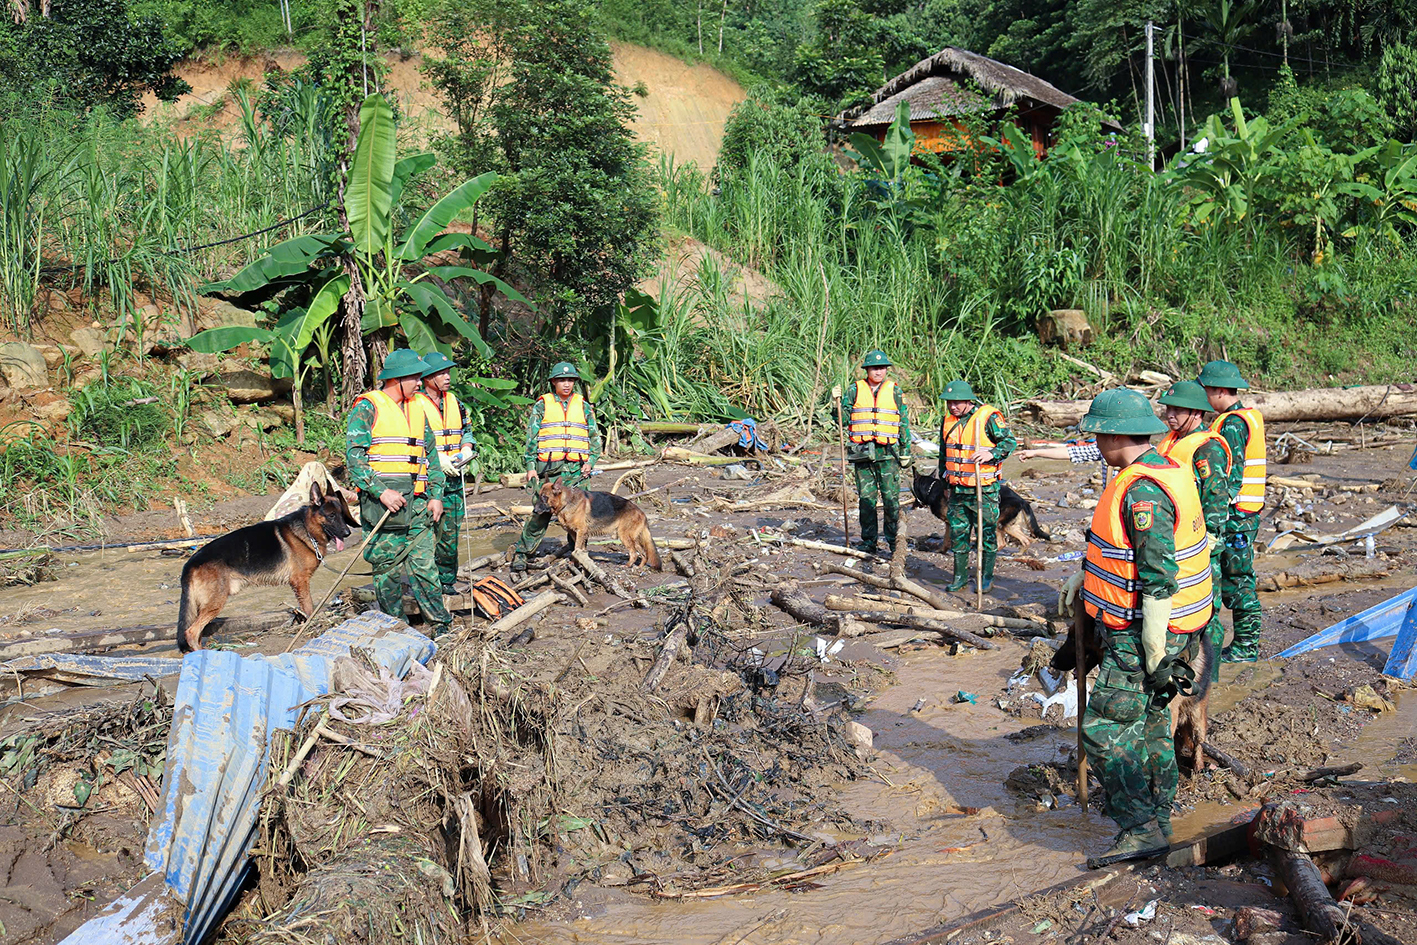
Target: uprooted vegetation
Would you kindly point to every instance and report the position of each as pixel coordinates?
(514, 774)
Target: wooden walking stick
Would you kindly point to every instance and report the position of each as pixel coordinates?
(310, 620)
(841, 441)
(978, 540)
(1080, 671)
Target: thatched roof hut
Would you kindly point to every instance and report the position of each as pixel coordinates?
(953, 83)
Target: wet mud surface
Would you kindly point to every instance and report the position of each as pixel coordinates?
(951, 833)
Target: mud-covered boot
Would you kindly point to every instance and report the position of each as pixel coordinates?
(988, 570)
(961, 575)
(869, 547)
(1138, 843)
(519, 563)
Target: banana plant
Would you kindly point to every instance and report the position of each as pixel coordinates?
(402, 293)
(1224, 180)
(1390, 190)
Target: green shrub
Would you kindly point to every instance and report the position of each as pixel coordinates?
(128, 414)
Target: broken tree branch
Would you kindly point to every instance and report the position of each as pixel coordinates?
(524, 613)
(789, 598)
(1228, 760)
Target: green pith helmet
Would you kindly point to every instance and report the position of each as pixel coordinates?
(564, 369)
(402, 362)
(876, 359)
(1121, 410)
(959, 390)
(436, 362)
(1187, 394)
(1222, 374)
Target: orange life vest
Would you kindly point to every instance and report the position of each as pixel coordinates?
(445, 424)
(1111, 590)
(396, 448)
(564, 433)
(875, 418)
(1250, 498)
(1182, 449)
(961, 441)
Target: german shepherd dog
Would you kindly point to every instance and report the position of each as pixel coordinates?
(286, 550)
(933, 493)
(1190, 715)
(583, 513)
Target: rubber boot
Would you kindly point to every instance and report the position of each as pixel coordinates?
(961, 575)
(1138, 843)
(988, 569)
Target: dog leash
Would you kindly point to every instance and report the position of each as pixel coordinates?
(331, 593)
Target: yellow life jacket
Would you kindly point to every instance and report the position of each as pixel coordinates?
(564, 433)
(875, 418)
(1111, 590)
(397, 445)
(961, 441)
(445, 424)
(1182, 449)
(1251, 495)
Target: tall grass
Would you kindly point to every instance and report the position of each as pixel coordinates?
(115, 207)
(949, 272)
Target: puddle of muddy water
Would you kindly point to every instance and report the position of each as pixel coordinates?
(933, 765)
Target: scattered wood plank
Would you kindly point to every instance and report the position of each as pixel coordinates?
(817, 546)
(517, 480)
(524, 613)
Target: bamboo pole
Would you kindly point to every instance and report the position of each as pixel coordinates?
(841, 441)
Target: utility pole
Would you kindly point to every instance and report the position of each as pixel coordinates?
(1284, 29)
(1150, 95)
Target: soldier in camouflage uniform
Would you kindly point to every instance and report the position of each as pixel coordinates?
(455, 451)
(1243, 429)
(974, 441)
(561, 443)
(878, 431)
(1150, 604)
(1209, 453)
(387, 474)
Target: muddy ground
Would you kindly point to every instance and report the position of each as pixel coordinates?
(965, 799)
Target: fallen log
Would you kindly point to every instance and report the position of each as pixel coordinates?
(939, 626)
(669, 426)
(1228, 760)
(673, 640)
(843, 604)
(717, 441)
(788, 598)
(1323, 404)
(596, 573)
(817, 546)
(677, 454)
(524, 613)
(93, 641)
(517, 480)
(1332, 771)
(1323, 916)
(934, 599)
(477, 564)
(1330, 571)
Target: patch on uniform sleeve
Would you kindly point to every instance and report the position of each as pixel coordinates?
(1142, 513)
(1203, 468)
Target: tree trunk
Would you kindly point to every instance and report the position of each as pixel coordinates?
(701, 27)
(722, 16)
(1323, 404)
(299, 410)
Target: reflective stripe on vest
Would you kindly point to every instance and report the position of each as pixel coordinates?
(1181, 450)
(1111, 589)
(394, 449)
(962, 441)
(564, 433)
(875, 418)
(445, 424)
(1251, 495)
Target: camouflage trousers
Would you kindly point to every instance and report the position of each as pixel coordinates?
(1237, 578)
(1215, 630)
(448, 530)
(878, 480)
(962, 516)
(392, 553)
(1128, 738)
(571, 474)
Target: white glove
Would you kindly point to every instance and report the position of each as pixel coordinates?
(464, 457)
(1068, 594)
(1155, 618)
(446, 465)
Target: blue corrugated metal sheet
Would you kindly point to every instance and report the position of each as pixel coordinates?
(225, 711)
(78, 667)
(1382, 620)
(1402, 662)
(393, 643)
